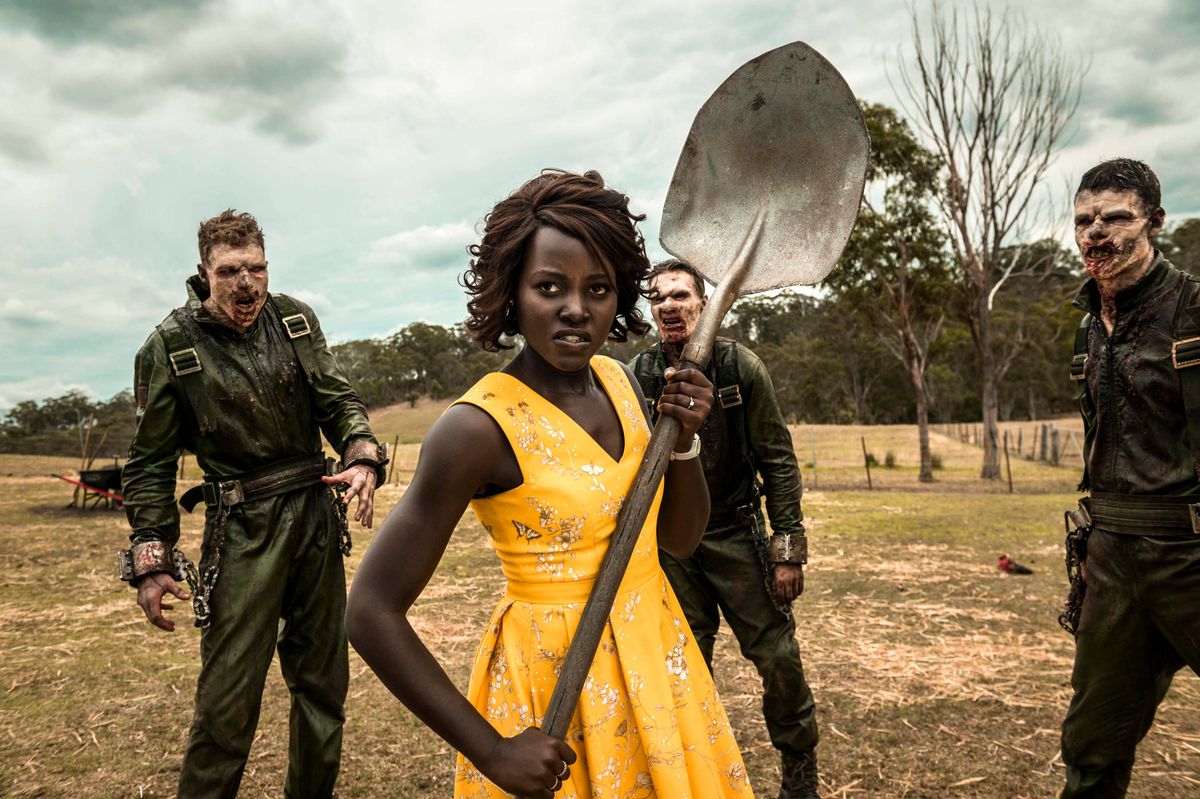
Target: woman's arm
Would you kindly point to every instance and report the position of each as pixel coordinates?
(683, 515)
(459, 454)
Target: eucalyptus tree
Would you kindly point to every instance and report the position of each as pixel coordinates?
(896, 265)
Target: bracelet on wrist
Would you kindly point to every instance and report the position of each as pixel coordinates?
(690, 452)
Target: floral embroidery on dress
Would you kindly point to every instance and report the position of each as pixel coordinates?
(629, 611)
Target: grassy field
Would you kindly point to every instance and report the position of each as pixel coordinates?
(935, 674)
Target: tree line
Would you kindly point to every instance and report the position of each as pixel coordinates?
(829, 354)
(835, 354)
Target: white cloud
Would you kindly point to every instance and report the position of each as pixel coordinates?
(371, 138)
(425, 244)
(12, 392)
(15, 311)
(318, 301)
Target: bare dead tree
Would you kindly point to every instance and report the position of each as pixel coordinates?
(995, 100)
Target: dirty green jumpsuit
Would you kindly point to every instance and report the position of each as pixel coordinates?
(281, 583)
(1139, 622)
(729, 573)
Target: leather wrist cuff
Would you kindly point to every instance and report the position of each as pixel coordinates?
(146, 558)
(377, 462)
(789, 548)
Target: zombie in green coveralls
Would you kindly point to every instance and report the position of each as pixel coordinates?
(245, 380)
(1137, 367)
(736, 571)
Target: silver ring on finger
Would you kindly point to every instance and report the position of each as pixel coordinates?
(557, 784)
(562, 773)
(691, 403)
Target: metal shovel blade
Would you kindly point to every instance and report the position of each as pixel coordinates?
(783, 134)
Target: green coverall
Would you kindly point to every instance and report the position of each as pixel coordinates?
(1139, 623)
(729, 573)
(280, 560)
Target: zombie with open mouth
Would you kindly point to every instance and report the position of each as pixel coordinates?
(1136, 364)
(244, 379)
(737, 570)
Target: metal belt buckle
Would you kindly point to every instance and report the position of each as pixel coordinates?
(297, 325)
(1194, 517)
(185, 362)
(1080, 516)
(230, 492)
(1189, 356)
(1079, 365)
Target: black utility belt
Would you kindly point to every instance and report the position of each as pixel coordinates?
(719, 515)
(1134, 514)
(269, 481)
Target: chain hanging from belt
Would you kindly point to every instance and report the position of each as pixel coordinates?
(337, 495)
(1079, 527)
(202, 583)
(224, 495)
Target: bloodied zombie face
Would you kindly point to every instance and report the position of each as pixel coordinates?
(1113, 230)
(565, 300)
(237, 283)
(675, 302)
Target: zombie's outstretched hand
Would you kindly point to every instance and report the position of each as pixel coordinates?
(361, 482)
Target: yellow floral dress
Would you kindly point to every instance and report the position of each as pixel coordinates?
(649, 721)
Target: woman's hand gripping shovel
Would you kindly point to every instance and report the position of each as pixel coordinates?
(764, 196)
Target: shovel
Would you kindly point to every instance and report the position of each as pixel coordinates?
(764, 196)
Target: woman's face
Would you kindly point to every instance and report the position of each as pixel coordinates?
(565, 300)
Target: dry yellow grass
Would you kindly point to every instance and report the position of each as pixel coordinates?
(935, 674)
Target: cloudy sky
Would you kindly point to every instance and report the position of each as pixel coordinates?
(369, 138)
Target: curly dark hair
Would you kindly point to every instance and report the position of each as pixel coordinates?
(580, 206)
(230, 228)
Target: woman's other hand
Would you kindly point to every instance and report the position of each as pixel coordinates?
(529, 764)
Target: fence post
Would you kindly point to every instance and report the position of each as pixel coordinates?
(1054, 449)
(395, 456)
(1044, 443)
(866, 461)
(1007, 464)
(814, 452)
(1020, 436)
(1067, 444)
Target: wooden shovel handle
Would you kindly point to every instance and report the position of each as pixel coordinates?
(637, 502)
(620, 548)
(595, 613)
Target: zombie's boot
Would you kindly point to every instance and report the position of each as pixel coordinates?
(799, 776)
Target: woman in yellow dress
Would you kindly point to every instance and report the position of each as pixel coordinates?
(544, 451)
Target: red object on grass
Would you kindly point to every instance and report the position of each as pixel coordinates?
(1007, 564)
